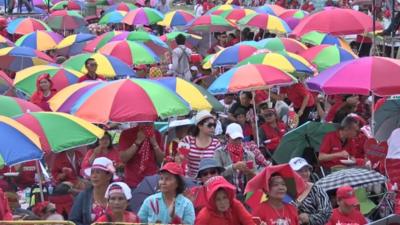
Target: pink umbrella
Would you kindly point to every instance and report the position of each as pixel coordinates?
(379, 75)
(336, 21)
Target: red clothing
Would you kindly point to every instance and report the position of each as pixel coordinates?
(333, 110)
(87, 77)
(26, 177)
(132, 177)
(129, 217)
(354, 218)
(5, 211)
(271, 216)
(359, 142)
(207, 6)
(112, 154)
(333, 144)
(42, 101)
(200, 197)
(248, 130)
(296, 93)
(60, 161)
(273, 134)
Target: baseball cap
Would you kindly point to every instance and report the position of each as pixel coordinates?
(347, 194)
(194, 68)
(118, 187)
(234, 131)
(102, 163)
(172, 168)
(297, 163)
(202, 115)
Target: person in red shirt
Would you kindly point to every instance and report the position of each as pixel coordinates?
(140, 151)
(347, 212)
(26, 176)
(5, 211)
(272, 130)
(207, 5)
(338, 145)
(247, 125)
(340, 101)
(44, 91)
(308, 6)
(222, 42)
(66, 166)
(91, 67)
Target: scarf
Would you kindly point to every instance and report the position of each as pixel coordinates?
(145, 148)
(235, 151)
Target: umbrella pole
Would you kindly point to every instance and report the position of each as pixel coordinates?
(256, 119)
(373, 116)
(38, 169)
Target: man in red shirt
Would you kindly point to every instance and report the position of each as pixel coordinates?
(347, 212)
(91, 67)
(338, 145)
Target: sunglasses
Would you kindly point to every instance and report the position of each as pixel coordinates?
(209, 172)
(210, 125)
(92, 64)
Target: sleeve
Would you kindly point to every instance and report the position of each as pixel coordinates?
(189, 214)
(219, 157)
(322, 203)
(124, 142)
(243, 214)
(76, 214)
(325, 144)
(258, 156)
(143, 213)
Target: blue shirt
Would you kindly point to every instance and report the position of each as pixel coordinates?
(154, 209)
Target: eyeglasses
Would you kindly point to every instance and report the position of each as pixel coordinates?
(211, 125)
(209, 172)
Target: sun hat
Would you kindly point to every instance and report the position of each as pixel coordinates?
(234, 131)
(202, 115)
(209, 163)
(118, 187)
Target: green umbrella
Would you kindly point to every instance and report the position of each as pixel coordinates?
(308, 135)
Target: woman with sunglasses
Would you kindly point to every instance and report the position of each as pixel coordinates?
(201, 144)
(272, 130)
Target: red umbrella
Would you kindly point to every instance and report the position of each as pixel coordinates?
(336, 21)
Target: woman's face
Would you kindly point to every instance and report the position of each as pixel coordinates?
(277, 188)
(208, 127)
(45, 85)
(305, 173)
(207, 174)
(269, 116)
(241, 119)
(117, 202)
(222, 201)
(104, 141)
(100, 178)
(168, 182)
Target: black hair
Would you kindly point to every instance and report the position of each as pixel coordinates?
(347, 122)
(110, 144)
(247, 93)
(342, 113)
(88, 60)
(239, 111)
(180, 39)
(196, 129)
(181, 185)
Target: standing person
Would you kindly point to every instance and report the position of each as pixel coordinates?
(44, 91)
(11, 4)
(181, 59)
(202, 144)
(169, 206)
(91, 204)
(347, 212)
(118, 195)
(222, 206)
(313, 205)
(163, 6)
(198, 9)
(91, 67)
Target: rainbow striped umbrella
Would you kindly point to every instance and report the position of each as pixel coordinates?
(211, 23)
(294, 13)
(197, 97)
(4, 42)
(282, 44)
(68, 5)
(234, 14)
(143, 16)
(18, 58)
(6, 83)
(176, 18)
(274, 10)
(325, 56)
(102, 102)
(318, 38)
(223, 7)
(26, 25)
(288, 62)
(152, 41)
(76, 132)
(249, 78)
(271, 23)
(232, 55)
(40, 40)
(10, 106)
(130, 52)
(169, 38)
(101, 40)
(108, 66)
(25, 80)
(73, 44)
(65, 20)
(122, 6)
(112, 17)
(22, 138)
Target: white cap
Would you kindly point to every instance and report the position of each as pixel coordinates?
(297, 163)
(202, 115)
(194, 68)
(102, 163)
(118, 187)
(234, 131)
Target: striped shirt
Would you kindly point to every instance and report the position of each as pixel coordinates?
(196, 154)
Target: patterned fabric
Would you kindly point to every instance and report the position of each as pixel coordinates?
(251, 146)
(317, 205)
(155, 72)
(145, 148)
(235, 151)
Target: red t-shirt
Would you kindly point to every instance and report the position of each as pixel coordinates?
(272, 216)
(354, 218)
(273, 134)
(332, 144)
(26, 177)
(112, 154)
(296, 93)
(333, 110)
(86, 77)
(129, 217)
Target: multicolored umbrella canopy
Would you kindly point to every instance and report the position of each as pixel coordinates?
(40, 40)
(18, 58)
(152, 41)
(122, 6)
(325, 56)
(176, 18)
(288, 62)
(102, 102)
(318, 38)
(267, 22)
(274, 10)
(25, 80)
(293, 13)
(5, 83)
(223, 7)
(23, 138)
(234, 14)
(113, 17)
(73, 44)
(65, 20)
(282, 44)
(169, 38)
(387, 119)
(101, 40)
(26, 25)
(130, 52)
(10, 106)
(143, 16)
(250, 77)
(77, 132)
(379, 75)
(4, 42)
(336, 21)
(211, 23)
(68, 5)
(232, 55)
(108, 66)
(197, 97)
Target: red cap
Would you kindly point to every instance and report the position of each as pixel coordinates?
(346, 193)
(172, 168)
